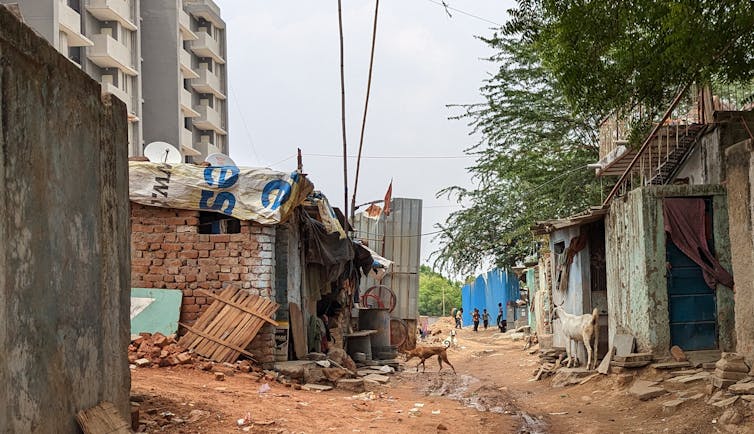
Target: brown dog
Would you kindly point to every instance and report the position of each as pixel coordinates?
(424, 353)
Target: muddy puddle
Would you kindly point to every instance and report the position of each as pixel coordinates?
(483, 397)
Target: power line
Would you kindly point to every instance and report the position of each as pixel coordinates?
(468, 14)
(243, 120)
(427, 157)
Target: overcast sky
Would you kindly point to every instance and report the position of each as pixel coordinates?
(283, 71)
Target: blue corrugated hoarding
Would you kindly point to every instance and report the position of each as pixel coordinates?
(487, 290)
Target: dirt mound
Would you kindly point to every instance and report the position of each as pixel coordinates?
(442, 326)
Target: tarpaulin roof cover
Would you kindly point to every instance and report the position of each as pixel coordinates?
(262, 195)
(487, 290)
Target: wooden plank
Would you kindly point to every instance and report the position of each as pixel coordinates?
(103, 418)
(219, 341)
(241, 333)
(241, 307)
(297, 330)
(218, 324)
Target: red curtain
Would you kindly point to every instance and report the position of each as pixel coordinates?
(684, 224)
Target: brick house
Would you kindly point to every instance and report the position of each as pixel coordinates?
(176, 249)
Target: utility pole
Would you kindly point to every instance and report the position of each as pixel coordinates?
(443, 300)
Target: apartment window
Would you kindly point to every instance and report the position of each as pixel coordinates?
(188, 159)
(207, 99)
(187, 123)
(75, 5)
(74, 53)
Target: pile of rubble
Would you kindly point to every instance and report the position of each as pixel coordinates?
(551, 360)
(730, 369)
(157, 349)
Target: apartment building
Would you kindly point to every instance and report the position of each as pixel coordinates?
(164, 58)
(185, 90)
(102, 37)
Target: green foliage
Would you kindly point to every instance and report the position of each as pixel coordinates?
(431, 288)
(531, 163)
(607, 55)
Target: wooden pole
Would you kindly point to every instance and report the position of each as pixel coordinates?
(343, 112)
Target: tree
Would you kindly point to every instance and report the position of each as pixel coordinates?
(432, 286)
(611, 55)
(531, 162)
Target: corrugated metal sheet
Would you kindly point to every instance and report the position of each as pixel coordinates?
(397, 237)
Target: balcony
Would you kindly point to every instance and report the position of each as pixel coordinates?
(207, 46)
(184, 22)
(208, 82)
(109, 53)
(70, 24)
(186, 106)
(187, 143)
(120, 93)
(209, 120)
(186, 69)
(112, 10)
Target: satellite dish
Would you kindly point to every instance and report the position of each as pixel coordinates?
(219, 159)
(161, 152)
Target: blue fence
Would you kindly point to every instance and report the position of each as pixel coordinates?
(489, 289)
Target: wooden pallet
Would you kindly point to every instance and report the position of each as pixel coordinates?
(229, 325)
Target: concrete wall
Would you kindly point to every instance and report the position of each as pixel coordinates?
(168, 252)
(64, 259)
(740, 171)
(636, 272)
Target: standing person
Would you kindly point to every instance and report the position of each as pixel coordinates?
(485, 319)
(475, 318)
(459, 319)
(500, 321)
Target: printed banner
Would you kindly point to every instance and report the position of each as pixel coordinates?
(261, 195)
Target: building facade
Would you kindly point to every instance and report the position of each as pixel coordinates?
(185, 93)
(164, 59)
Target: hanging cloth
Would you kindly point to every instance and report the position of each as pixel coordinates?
(684, 224)
(576, 245)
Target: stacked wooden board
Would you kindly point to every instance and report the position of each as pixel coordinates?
(223, 332)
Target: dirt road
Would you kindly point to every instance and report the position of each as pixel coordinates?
(490, 393)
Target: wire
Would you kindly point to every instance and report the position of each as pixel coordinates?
(243, 120)
(428, 157)
(283, 160)
(468, 14)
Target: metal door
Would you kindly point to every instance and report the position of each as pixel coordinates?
(692, 304)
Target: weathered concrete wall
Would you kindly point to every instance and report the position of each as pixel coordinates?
(740, 172)
(64, 258)
(636, 271)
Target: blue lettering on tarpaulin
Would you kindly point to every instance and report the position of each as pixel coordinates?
(227, 176)
(220, 201)
(282, 189)
(219, 177)
(283, 192)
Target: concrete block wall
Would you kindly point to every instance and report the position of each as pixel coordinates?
(167, 251)
(64, 258)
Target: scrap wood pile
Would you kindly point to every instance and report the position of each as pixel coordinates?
(223, 332)
(551, 359)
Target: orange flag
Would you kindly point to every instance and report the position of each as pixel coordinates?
(388, 198)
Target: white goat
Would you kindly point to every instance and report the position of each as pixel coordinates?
(580, 328)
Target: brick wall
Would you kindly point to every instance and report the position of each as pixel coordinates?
(168, 252)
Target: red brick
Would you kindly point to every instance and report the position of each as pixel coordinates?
(204, 253)
(188, 293)
(220, 246)
(192, 221)
(190, 254)
(174, 262)
(169, 278)
(143, 261)
(159, 284)
(171, 270)
(141, 228)
(203, 238)
(180, 278)
(152, 278)
(171, 285)
(157, 261)
(191, 263)
(180, 285)
(155, 246)
(172, 247)
(201, 300)
(190, 277)
(216, 284)
(171, 238)
(218, 253)
(238, 237)
(159, 254)
(220, 238)
(204, 246)
(143, 269)
(188, 316)
(190, 308)
(204, 285)
(188, 300)
(227, 277)
(154, 269)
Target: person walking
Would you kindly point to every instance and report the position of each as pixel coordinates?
(485, 319)
(459, 319)
(500, 321)
(475, 318)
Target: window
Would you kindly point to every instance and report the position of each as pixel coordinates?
(216, 223)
